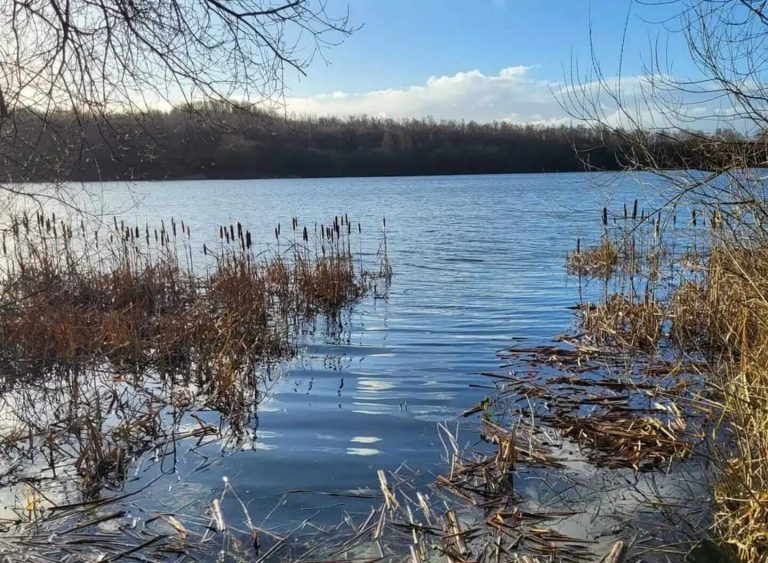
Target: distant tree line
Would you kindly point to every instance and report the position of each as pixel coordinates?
(218, 140)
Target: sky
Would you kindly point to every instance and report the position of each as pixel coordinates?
(482, 60)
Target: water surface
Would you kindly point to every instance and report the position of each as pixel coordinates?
(478, 265)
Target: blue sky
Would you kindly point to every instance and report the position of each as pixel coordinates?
(465, 46)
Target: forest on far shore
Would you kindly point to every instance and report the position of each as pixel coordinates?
(219, 141)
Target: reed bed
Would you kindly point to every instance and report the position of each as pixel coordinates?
(114, 340)
(704, 296)
(133, 295)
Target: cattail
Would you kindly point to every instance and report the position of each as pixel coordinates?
(693, 215)
(305, 235)
(248, 239)
(625, 211)
(359, 229)
(384, 220)
(226, 235)
(605, 216)
(115, 220)
(173, 227)
(232, 232)
(239, 230)
(277, 233)
(205, 250)
(634, 211)
(578, 245)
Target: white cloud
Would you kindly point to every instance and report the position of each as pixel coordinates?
(512, 95)
(516, 95)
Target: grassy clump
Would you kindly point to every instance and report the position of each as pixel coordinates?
(622, 322)
(599, 261)
(138, 300)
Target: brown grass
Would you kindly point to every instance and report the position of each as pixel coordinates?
(598, 261)
(715, 307)
(114, 335)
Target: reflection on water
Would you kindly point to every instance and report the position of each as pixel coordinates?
(478, 262)
(365, 439)
(363, 451)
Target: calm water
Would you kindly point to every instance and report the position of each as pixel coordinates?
(478, 266)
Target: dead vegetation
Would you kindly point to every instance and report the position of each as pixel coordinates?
(115, 342)
(706, 299)
(598, 261)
